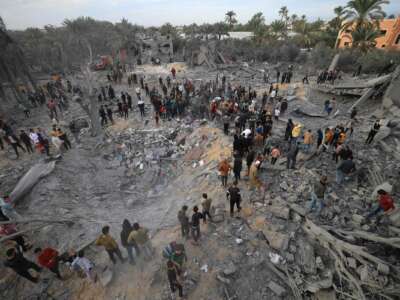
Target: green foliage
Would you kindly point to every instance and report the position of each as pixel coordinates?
(256, 22)
(376, 59)
(364, 36)
(321, 56)
(230, 18)
(359, 12)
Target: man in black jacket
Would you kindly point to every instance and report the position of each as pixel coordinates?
(20, 265)
(233, 194)
(196, 224)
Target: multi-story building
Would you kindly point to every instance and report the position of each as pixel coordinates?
(389, 39)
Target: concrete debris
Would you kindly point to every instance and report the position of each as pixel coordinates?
(276, 288)
(32, 177)
(306, 257)
(280, 211)
(383, 269)
(230, 269)
(277, 240)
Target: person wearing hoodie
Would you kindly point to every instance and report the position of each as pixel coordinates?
(126, 230)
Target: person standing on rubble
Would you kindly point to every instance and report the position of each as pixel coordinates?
(206, 205)
(226, 120)
(237, 165)
(234, 197)
(292, 156)
(224, 169)
(141, 107)
(196, 224)
(109, 244)
(81, 262)
(173, 280)
(126, 231)
(20, 265)
(255, 181)
(27, 141)
(184, 221)
(173, 72)
(125, 109)
(308, 140)
(288, 131)
(318, 195)
(345, 168)
(140, 235)
(374, 130)
(103, 116)
(110, 114)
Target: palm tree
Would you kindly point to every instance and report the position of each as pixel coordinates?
(359, 12)
(230, 18)
(278, 29)
(284, 13)
(256, 22)
(364, 36)
(307, 32)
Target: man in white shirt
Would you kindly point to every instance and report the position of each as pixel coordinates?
(85, 264)
(33, 136)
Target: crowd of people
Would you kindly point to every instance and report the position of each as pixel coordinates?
(256, 141)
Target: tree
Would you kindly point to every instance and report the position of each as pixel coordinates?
(220, 29)
(2, 24)
(364, 36)
(168, 29)
(256, 22)
(230, 18)
(358, 12)
(284, 13)
(307, 33)
(278, 29)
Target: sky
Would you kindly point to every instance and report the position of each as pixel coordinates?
(20, 14)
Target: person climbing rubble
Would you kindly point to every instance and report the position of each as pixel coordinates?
(385, 204)
(109, 244)
(291, 156)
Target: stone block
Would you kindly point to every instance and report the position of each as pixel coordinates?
(276, 289)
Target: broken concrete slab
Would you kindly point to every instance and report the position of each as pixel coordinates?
(280, 211)
(194, 154)
(276, 240)
(367, 84)
(277, 289)
(230, 269)
(306, 257)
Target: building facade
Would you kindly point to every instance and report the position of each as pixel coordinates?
(389, 39)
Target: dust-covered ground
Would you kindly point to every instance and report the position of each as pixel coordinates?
(264, 254)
